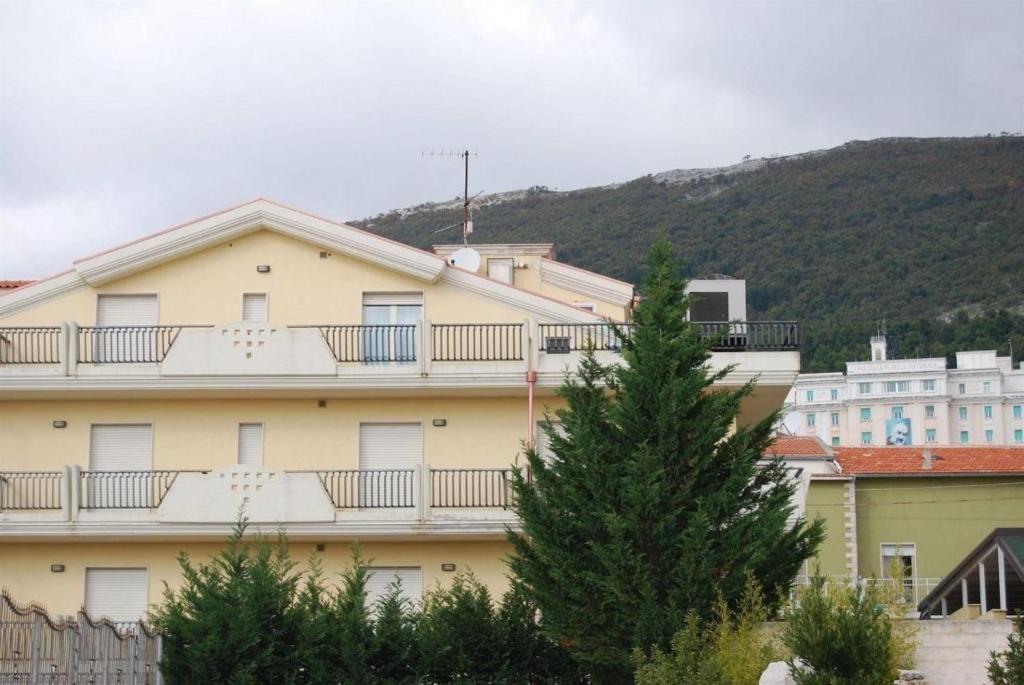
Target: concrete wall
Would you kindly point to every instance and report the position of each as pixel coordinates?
(957, 652)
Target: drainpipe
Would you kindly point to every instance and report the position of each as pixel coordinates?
(531, 380)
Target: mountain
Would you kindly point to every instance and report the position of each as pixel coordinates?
(923, 234)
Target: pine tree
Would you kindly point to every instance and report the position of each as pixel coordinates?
(652, 503)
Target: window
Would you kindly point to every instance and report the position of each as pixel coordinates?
(963, 413)
(835, 441)
(989, 435)
(929, 411)
(897, 412)
(709, 306)
(254, 307)
(929, 435)
(389, 327)
(390, 452)
(897, 386)
(965, 437)
(1018, 435)
(810, 420)
(988, 411)
(928, 385)
(250, 444)
(124, 311)
(864, 388)
(118, 447)
(120, 594)
(810, 395)
(834, 418)
(962, 388)
(380, 578)
(987, 387)
(865, 413)
(899, 559)
(865, 438)
(1018, 412)
(833, 393)
(502, 269)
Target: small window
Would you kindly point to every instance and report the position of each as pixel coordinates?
(810, 395)
(963, 413)
(928, 385)
(865, 413)
(897, 412)
(835, 441)
(810, 420)
(990, 435)
(250, 444)
(865, 438)
(1018, 435)
(962, 388)
(713, 307)
(864, 388)
(254, 307)
(929, 435)
(929, 411)
(899, 558)
(833, 393)
(988, 411)
(987, 385)
(1018, 412)
(379, 579)
(119, 594)
(586, 306)
(501, 269)
(834, 417)
(897, 386)
(965, 437)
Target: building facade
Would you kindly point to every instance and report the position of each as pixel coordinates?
(320, 378)
(906, 402)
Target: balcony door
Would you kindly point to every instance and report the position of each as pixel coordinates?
(390, 322)
(388, 456)
(120, 467)
(119, 338)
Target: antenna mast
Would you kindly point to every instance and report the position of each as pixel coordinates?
(467, 221)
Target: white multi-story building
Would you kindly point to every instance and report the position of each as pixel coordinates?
(912, 401)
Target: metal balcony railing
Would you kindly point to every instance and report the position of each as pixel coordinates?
(126, 344)
(469, 488)
(477, 342)
(126, 489)
(370, 344)
(370, 488)
(31, 490)
(736, 336)
(30, 345)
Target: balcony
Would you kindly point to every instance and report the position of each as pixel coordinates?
(343, 503)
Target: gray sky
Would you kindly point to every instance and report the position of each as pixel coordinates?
(119, 119)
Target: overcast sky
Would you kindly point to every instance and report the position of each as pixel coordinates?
(119, 119)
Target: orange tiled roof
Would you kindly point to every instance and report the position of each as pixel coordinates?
(867, 461)
(798, 446)
(12, 284)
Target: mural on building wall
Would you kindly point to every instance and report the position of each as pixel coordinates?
(897, 432)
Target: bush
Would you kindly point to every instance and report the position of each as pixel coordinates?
(248, 616)
(845, 635)
(1007, 668)
(733, 649)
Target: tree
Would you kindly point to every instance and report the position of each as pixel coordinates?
(652, 504)
(1007, 668)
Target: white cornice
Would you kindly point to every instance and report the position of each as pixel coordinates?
(586, 283)
(32, 294)
(502, 249)
(256, 215)
(521, 300)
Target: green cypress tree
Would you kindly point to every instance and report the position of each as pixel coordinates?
(652, 505)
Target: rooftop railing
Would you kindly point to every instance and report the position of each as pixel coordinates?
(30, 345)
(736, 336)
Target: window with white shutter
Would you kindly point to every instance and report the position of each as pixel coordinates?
(381, 577)
(120, 594)
(501, 269)
(121, 447)
(124, 312)
(543, 442)
(388, 455)
(254, 307)
(250, 444)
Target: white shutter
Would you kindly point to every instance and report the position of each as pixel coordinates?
(250, 444)
(380, 577)
(120, 594)
(385, 299)
(544, 443)
(388, 453)
(126, 310)
(121, 447)
(254, 307)
(502, 269)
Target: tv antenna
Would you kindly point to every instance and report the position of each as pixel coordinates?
(467, 221)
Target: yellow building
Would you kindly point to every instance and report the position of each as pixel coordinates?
(329, 381)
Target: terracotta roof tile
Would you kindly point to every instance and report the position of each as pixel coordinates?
(798, 446)
(6, 285)
(945, 460)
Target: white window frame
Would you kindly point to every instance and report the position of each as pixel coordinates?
(929, 411)
(990, 436)
(85, 586)
(834, 419)
(963, 413)
(865, 417)
(930, 435)
(897, 413)
(928, 385)
(510, 262)
(266, 307)
(900, 548)
(811, 420)
(263, 443)
(866, 438)
(863, 388)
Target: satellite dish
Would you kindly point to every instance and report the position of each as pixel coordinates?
(466, 258)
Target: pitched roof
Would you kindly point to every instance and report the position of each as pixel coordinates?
(910, 461)
(10, 285)
(799, 446)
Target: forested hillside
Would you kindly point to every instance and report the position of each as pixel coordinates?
(927, 234)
